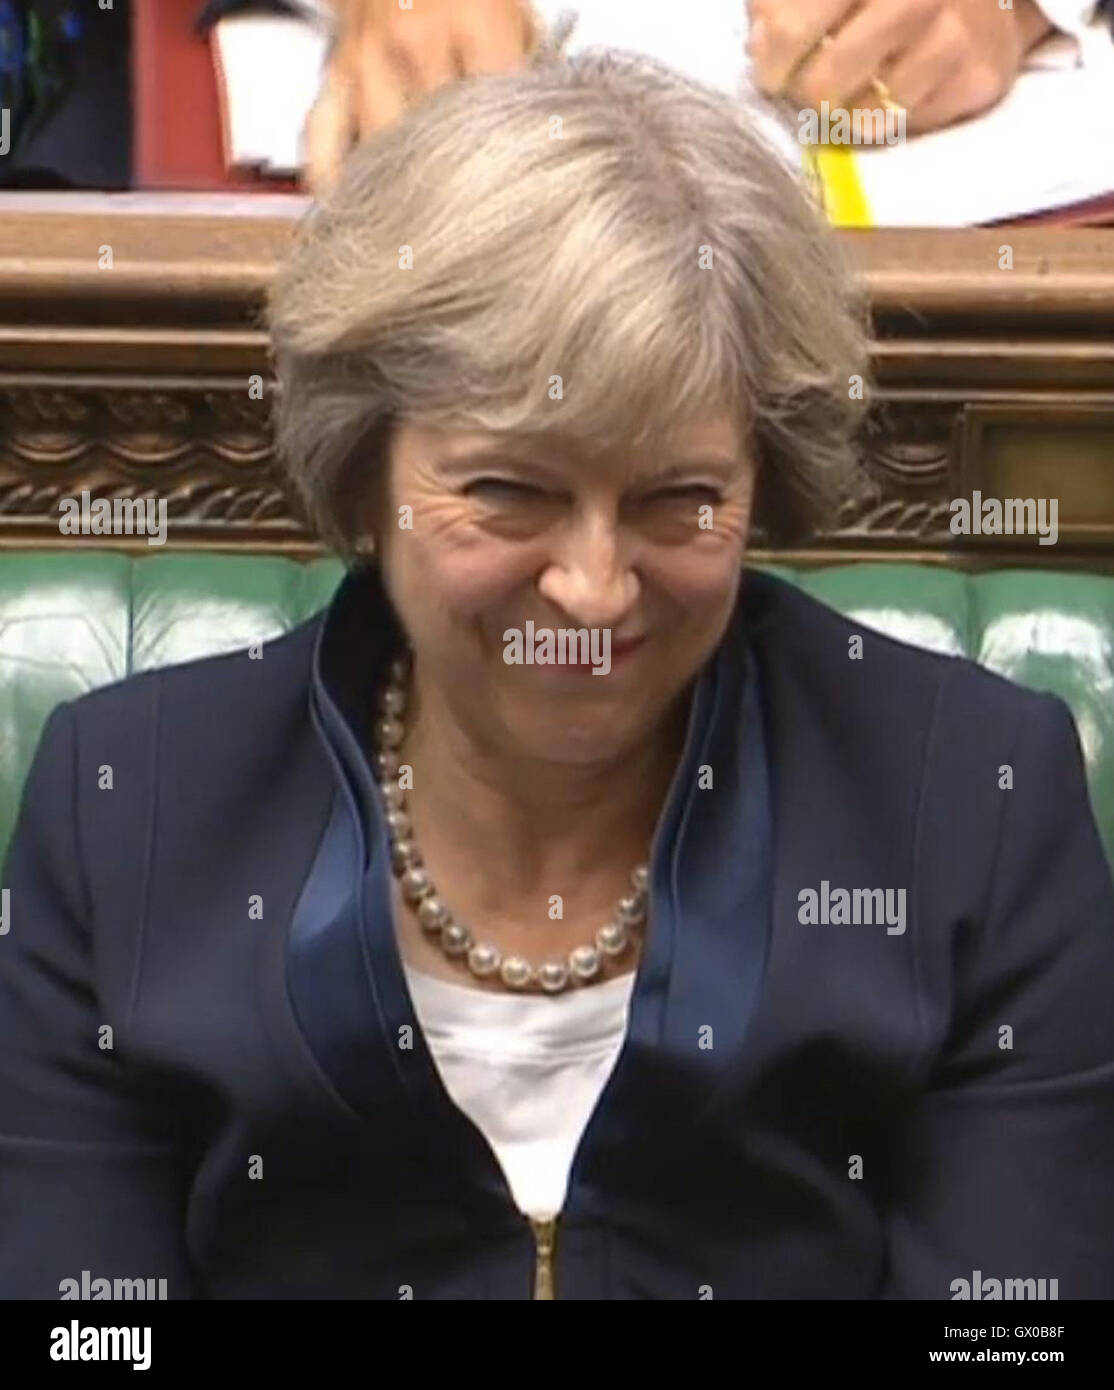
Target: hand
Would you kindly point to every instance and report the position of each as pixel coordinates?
(384, 56)
(942, 60)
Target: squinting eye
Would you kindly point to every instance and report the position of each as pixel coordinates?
(506, 488)
(682, 494)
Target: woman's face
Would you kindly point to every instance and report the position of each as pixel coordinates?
(485, 535)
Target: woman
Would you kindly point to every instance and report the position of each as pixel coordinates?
(714, 959)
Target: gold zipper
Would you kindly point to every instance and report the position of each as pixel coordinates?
(545, 1234)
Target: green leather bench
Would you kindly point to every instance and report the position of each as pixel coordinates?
(70, 622)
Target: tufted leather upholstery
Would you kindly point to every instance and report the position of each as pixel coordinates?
(71, 622)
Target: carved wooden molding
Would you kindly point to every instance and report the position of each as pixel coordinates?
(203, 446)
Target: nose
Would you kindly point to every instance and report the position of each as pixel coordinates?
(589, 577)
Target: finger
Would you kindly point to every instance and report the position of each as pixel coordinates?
(378, 83)
(424, 55)
(533, 27)
(328, 133)
(960, 96)
(927, 63)
(498, 41)
(869, 40)
(783, 35)
(878, 126)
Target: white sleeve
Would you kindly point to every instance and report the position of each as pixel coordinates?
(1069, 16)
(1075, 20)
(319, 12)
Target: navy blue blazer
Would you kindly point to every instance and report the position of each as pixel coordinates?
(801, 1108)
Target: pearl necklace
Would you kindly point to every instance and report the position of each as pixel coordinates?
(484, 960)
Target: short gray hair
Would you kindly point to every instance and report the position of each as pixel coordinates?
(592, 247)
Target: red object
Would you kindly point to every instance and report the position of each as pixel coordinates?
(176, 140)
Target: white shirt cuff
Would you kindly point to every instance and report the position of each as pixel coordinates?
(1077, 19)
(1070, 16)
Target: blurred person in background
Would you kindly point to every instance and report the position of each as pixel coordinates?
(65, 64)
(940, 60)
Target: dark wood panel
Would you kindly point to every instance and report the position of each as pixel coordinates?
(131, 382)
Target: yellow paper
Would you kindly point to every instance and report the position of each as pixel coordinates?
(831, 169)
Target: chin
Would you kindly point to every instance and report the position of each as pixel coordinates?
(572, 737)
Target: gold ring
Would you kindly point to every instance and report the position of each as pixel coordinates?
(877, 86)
(884, 95)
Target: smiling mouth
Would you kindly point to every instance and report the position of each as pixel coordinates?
(622, 649)
(620, 652)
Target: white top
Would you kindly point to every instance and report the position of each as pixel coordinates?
(527, 1070)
